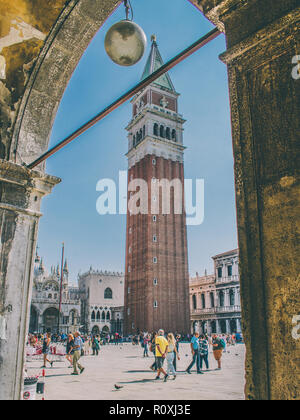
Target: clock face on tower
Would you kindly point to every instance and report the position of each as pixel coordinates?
(156, 243)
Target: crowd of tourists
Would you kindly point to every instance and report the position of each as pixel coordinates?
(163, 347)
(76, 346)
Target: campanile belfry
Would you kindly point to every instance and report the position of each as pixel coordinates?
(156, 277)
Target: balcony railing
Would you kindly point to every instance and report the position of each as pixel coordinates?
(229, 279)
(101, 321)
(55, 301)
(160, 109)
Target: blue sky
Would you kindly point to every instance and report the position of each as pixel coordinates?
(70, 211)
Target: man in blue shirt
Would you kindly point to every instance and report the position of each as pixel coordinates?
(78, 343)
(196, 354)
(203, 350)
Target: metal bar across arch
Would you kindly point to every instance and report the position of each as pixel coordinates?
(125, 97)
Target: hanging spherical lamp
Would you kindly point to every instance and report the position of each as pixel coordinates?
(125, 41)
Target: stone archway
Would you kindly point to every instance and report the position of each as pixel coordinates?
(223, 326)
(95, 330)
(50, 320)
(34, 320)
(233, 326)
(261, 41)
(105, 329)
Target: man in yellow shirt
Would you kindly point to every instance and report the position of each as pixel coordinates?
(161, 349)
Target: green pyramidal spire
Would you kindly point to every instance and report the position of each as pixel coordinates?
(154, 62)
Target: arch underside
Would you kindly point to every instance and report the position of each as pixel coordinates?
(63, 48)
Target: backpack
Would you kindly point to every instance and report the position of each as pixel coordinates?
(222, 343)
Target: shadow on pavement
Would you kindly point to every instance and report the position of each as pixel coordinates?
(138, 381)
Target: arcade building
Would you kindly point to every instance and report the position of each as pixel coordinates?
(215, 300)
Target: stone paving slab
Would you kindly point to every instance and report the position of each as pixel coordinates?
(125, 366)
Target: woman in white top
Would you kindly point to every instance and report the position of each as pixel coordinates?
(87, 346)
(172, 353)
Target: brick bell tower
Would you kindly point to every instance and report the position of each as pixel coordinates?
(156, 276)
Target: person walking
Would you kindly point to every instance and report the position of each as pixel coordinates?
(203, 350)
(146, 345)
(161, 349)
(78, 343)
(70, 349)
(177, 340)
(95, 346)
(87, 345)
(171, 355)
(195, 354)
(224, 341)
(46, 350)
(152, 349)
(218, 347)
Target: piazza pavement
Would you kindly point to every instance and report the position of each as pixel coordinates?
(125, 366)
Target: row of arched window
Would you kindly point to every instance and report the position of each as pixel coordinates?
(158, 131)
(97, 317)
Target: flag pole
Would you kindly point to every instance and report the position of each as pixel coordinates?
(61, 284)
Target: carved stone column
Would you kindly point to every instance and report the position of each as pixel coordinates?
(207, 300)
(226, 297)
(263, 39)
(21, 192)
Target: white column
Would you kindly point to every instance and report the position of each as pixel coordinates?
(216, 299)
(238, 296)
(198, 297)
(227, 326)
(226, 297)
(207, 299)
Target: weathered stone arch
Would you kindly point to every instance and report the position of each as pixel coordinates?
(68, 39)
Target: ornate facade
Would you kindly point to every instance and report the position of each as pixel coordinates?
(215, 299)
(46, 301)
(102, 301)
